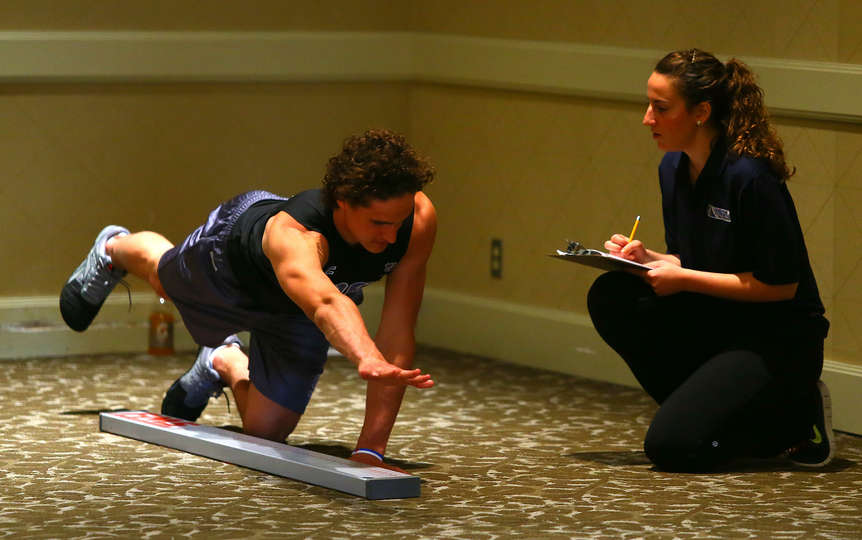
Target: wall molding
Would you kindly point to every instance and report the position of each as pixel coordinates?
(793, 88)
(32, 327)
(107, 57)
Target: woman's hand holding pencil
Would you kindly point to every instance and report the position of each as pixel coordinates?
(626, 247)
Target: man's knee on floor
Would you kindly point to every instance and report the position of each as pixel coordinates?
(272, 432)
(267, 419)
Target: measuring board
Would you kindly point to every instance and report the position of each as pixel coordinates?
(262, 455)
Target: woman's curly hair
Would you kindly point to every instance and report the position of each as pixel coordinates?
(378, 164)
(737, 103)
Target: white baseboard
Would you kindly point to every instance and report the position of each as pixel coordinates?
(538, 337)
(32, 327)
(565, 342)
(845, 385)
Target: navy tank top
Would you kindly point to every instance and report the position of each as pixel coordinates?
(350, 267)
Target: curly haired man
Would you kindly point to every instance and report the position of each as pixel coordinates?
(291, 271)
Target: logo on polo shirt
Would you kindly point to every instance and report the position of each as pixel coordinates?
(390, 266)
(330, 270)
(718, 213)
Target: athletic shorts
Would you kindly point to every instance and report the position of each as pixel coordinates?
(287, 352)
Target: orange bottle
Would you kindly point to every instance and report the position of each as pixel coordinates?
(161, 330)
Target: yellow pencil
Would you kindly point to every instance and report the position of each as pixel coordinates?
(632, 235)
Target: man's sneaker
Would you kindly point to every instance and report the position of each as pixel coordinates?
(188, 396)
(820, 448)
(91, 283)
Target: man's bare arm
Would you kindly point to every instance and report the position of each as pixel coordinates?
(297, 256)
(395, 337)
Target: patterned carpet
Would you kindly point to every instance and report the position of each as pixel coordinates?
(502, 451)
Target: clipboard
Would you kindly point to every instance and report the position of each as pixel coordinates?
(576, 253)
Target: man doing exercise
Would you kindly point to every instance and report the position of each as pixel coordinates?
(291, 271)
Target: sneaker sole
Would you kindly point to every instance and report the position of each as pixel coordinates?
(76, 311)
(826, 399)
(174, 405)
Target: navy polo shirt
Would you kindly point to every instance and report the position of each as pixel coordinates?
(737, 217)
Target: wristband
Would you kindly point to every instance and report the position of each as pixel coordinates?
(368, 451)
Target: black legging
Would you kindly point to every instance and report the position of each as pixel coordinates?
(732, 380)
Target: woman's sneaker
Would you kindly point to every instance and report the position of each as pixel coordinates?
(189, 395)
(91, 283)
(819, 450)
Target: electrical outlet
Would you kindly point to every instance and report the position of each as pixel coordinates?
(496, 258)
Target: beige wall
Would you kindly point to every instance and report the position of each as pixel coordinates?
(158, 157)
(812, 30)
(530, 168)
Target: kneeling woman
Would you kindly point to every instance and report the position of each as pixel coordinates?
(726, 330)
